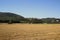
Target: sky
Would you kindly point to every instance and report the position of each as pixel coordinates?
(32, 8)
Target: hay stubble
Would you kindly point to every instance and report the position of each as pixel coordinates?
(30, 32)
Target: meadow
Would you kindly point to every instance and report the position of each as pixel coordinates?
(29, 31)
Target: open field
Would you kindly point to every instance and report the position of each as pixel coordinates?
(29, 31)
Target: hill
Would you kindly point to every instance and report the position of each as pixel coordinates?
(6, 17)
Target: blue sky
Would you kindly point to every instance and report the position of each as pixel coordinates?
(32, 8)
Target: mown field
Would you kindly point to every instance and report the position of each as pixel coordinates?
(29, 31)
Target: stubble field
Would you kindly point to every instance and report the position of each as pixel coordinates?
(29, 31)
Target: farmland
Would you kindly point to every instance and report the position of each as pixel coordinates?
(29, 31)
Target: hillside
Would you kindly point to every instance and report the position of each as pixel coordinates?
(7, 16)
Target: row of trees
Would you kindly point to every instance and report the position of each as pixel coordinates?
(43, 20)
(7, 17)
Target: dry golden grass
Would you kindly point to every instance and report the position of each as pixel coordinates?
(29, 31)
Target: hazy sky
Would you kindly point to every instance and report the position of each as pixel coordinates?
(32, 8)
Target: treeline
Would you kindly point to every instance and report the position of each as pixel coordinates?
(43, 20)
(7, 17)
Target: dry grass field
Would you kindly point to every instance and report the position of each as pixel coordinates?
(29, 31)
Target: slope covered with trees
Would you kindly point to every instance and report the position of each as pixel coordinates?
(8, 17)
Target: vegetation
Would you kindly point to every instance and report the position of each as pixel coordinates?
(7, 17)
(30, 32)
(34, 31)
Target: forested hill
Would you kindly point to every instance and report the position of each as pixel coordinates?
(8, 14)
(10, 17)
